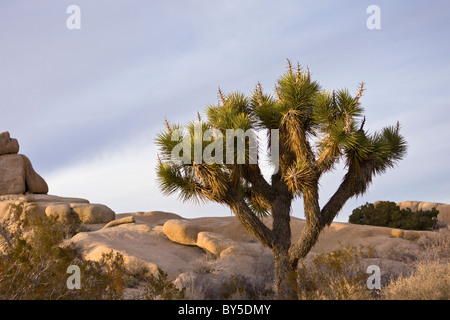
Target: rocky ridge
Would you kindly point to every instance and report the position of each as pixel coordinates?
(20, 183)
(181, 246)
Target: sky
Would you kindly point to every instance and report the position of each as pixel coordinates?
(86, 104)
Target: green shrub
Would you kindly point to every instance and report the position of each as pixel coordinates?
(388, 214)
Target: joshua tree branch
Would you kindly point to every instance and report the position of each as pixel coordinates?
(252, 174)
(248, 218)
(314, 225)
(355, 182)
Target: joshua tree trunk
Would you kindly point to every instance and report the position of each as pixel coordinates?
(285, 284)
(285, 275)
(278, 239)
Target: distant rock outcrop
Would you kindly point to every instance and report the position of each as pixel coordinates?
(17, 175)
(61, 207)
(444, 209)
(19, 183)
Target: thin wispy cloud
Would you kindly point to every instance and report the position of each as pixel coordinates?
(85, 104)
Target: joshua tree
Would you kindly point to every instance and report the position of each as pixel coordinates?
(311, 128)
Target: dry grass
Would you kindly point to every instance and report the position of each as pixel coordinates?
(338, 275)
(212, 279)
(429, 281)
(435, 246)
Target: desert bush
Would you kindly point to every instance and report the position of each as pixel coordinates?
(213, 279)
(435, 246)
(258, 285)
(28, 273)
(247, 288)
(338, 275)
(397, 250)
(388, 214)
(146, 284)
(159, 287)
(430, 276)
(34, 266)
(209, 264)
(429, 281)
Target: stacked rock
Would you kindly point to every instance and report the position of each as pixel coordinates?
(17, 175)
(19, 183)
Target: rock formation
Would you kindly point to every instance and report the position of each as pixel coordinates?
(19, 183)
(17, 175)
(181, 247)
(205, 252)
(61, 207)
(8, 145)
(444, 209)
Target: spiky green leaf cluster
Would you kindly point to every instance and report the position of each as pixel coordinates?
(317, 128)
(197, 177)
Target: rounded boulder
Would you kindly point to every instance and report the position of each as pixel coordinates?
(61, 211)
(214, 242)
(181, 231)
(93, 213)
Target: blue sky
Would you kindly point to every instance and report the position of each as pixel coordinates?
(86, 104)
